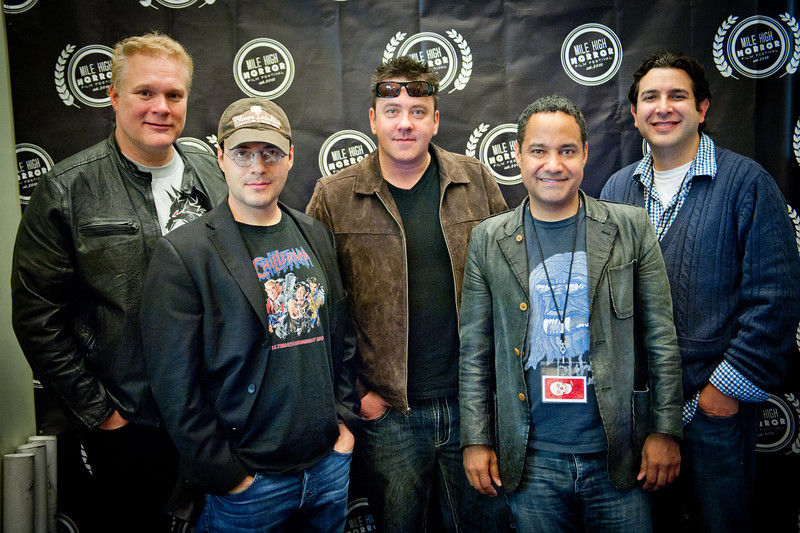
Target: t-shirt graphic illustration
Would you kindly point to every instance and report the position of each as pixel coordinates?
(294, 291)
(545, 328)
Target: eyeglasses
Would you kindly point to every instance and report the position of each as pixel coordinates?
(391, 89)
(245, 158)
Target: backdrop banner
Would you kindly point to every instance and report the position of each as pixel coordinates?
(315, 57)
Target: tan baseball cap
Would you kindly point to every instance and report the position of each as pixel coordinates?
(255, 120)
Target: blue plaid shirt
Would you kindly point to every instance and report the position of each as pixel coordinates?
(725, 377)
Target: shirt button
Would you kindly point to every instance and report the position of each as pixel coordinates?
(519, 238)
(251, 388)
(523, 306)
(521, 397)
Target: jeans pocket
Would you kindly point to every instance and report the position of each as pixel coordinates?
(243, 494)
(383, 416)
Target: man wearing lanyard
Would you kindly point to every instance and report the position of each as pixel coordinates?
(729, 250)
(569, 372)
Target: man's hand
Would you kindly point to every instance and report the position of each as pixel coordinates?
(480, 464)
(373, 405)
(246, 482)
(115, 421)
(715, 403)
(661, 461)
(346, 441)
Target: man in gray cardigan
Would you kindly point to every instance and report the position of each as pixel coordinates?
(733, 266)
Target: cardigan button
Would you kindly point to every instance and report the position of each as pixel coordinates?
(516, 351)
(521, 397)
(251, 388)
(523, 306)
(519, 238)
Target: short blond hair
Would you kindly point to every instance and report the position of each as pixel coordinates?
(153, 44)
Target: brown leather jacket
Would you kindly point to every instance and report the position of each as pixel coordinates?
(358, 207)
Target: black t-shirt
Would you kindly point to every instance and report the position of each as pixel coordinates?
(433, 328)
(293, 422)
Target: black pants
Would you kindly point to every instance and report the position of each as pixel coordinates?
(134, 468)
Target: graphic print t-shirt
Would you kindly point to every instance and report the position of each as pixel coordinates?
(173, 207)
(293, 420)
(560, 426)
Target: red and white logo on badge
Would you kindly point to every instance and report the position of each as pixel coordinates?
(561, 389)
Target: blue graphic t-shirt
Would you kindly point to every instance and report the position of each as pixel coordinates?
(564, 413)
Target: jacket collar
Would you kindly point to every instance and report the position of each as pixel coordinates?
(600, 235)
(131, 170)
(369, 179)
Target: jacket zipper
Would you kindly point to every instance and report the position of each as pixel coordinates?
(405, 264)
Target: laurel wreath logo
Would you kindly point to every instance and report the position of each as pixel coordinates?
(796, 221)
(719, 56)
(475, 138)
(394, 42)
(149, 3)
(466, 61)
(61, 84)
(792, 399)
(794, 62)
(796, 141)
(212, 140)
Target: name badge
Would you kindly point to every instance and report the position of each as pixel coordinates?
(564, 389)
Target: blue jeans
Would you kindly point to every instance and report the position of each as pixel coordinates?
(400, 460)
(312, 500)
(715, 488)
(561, 492)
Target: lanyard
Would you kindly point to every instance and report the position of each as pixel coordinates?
(561, 316)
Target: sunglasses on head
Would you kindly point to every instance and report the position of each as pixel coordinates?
(391, 89)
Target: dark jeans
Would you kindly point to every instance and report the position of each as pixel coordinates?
(714, 492)
(135, 468)
(314, 500)
(562, 492)
(400, 460)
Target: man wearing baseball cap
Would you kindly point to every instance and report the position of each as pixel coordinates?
(252, 374)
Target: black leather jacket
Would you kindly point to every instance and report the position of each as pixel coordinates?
(80, 257)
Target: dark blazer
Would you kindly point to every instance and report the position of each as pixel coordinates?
(204, 325)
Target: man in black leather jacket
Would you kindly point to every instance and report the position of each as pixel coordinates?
(81, 253)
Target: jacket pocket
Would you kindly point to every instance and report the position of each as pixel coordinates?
(108, 227)
(620, 281)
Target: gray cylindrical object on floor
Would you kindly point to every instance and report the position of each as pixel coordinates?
(39, 451)
(18, 492)
(50, 443)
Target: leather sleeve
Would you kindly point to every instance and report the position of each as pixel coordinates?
(45, 293)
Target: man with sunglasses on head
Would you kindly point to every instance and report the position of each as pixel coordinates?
(402, 219)
(255, 404)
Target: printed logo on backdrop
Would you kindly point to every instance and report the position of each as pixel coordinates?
(197, 143)
(32, 163)
(84, 75)
(342, 149)
(591, 54)
(12, 8)
(758, 46)
(263, 68)
(359, 517)
(451, 66)
(779, 418)
(496, 150)
(796, 221)
(796, 141)
(175, 4)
